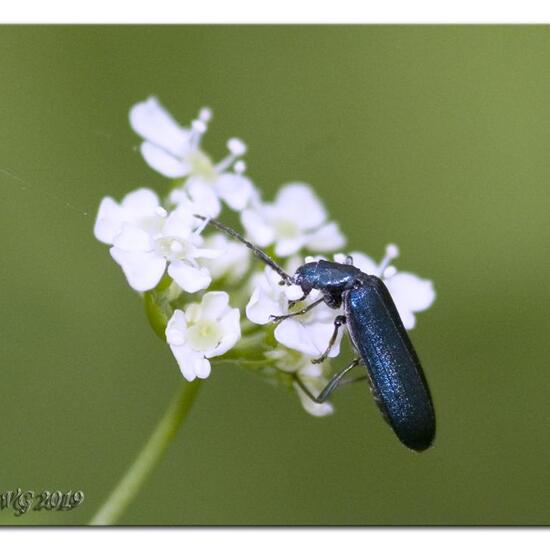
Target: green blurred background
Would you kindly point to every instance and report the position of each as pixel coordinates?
(436, 138)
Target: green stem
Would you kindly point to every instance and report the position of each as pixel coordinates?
(149, 457)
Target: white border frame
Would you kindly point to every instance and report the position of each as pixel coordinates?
(275, 11)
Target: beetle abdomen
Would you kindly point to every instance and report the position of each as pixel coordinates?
(394, 369)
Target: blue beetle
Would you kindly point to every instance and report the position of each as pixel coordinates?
(377, 334)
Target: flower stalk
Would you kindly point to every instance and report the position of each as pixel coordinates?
(151, 454)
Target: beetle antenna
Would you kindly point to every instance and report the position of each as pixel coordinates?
(259, 253)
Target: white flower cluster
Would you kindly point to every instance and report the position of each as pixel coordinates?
(164, 250)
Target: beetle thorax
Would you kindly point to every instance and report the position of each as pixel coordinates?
(328, 277)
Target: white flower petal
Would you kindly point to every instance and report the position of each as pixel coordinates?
(161, 161)
(140, 203)
(313, 370)
(294, 335)
(189, 278)
(235, 190)
(323, 335)
(253, 313)
(287, 247)
(311, 339)
(233, 261)
(365, 263)
(193, 313)
(286, 359)
(256, 228)
(407, 317)
(293, 292)
(230, 323)
(272, 282)
(133, 239)
(298, 203)
(143, 270)
(138, 207)
(187, 360)
(315, 409)
(214, 304)
(202, 368)
(208, 253)
(260, 307)
(109, 220)
(179, 196)
(231, 329)
(152, 122)
(340, 258)
(203, 198)
(322, 313)
(178, 224)
(411, 292)
(176, 328)
(327, 238)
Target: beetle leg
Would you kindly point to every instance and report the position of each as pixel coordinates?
(279, 318)
(358, 379)
(338, 322)
(292, 303)
(332, 383)
(332, 301)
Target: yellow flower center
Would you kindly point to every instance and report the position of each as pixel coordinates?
(204, 335)
(286, 229)
(174, 248)
(202, 166)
